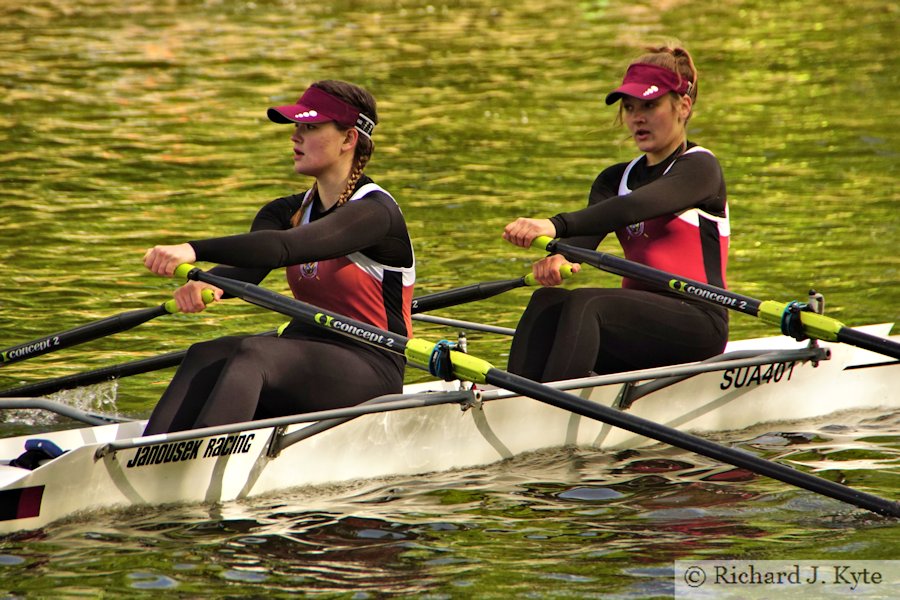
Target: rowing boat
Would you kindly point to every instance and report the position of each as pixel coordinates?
(451, 424)
(433, 426)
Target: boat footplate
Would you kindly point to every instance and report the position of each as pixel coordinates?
(37, 452)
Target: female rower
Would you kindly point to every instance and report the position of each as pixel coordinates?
(668, 209)
(346, 248)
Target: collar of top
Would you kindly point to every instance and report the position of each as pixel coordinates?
(646, 82)
(318, 106)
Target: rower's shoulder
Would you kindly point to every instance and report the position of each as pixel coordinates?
(292, 201)
(277, 213)
(614, 171)
(698, 161)
(698, 154)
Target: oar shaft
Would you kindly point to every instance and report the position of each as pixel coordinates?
(416, 350)
(626, 268)
(50, 386)
(476, 291)
(814, 325)
(469, 293)
(91, 331)
(294, 308)
(126, 369)
(79, 335)
(691, 443)
(474, 369)
(870, 342)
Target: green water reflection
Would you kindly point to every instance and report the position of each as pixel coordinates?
(129, 125)
(125, 124)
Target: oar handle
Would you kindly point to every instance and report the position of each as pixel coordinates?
(183, 271)
(207, 295)
(542, 242)
(565, 272)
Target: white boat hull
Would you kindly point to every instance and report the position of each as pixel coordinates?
(427, 439)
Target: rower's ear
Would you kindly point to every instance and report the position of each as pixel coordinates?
(685, 107)
(350, 139)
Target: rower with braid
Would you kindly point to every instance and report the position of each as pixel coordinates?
(345, 247)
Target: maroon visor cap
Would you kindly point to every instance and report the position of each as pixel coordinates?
(647, 82)
(318, 106)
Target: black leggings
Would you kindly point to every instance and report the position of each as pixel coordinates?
(235, 379)
(565, 334)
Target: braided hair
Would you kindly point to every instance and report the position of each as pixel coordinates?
(365, 102)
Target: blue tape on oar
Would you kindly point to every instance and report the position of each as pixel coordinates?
(439, 364)
(791, 321)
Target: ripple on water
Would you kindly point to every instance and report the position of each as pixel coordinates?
(151, 581)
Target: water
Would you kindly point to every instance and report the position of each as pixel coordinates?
(123, 125)
(569, 523)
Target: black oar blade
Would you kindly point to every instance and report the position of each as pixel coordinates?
(80, 335)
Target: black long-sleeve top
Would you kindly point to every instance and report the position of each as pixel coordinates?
(372, 225)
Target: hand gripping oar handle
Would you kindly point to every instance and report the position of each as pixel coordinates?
(471, 368)
(476, 291)
(813, 324)
(416, 350)
(91, 331)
